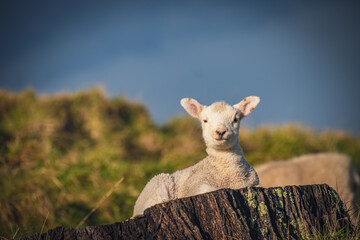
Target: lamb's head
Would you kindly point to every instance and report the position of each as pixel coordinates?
(220, 122)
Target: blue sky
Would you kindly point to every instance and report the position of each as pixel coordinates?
(301, 57)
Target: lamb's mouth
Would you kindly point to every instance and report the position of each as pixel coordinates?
(221, 139)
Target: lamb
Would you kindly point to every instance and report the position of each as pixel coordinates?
(225, 165)
(333, 169)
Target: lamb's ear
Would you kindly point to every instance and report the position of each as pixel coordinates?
(192, 106)
(247, 105)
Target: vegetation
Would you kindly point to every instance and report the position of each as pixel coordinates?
(61, 154)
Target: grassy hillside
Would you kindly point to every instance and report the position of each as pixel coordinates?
(61, 154)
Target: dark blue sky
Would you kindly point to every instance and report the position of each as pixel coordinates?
(301, 57)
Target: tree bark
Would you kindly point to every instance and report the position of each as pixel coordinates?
(290, 212)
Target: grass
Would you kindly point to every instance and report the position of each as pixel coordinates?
(60, 156)
(343, 233)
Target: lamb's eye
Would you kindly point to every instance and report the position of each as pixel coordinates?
(236, 120)
(205, 121)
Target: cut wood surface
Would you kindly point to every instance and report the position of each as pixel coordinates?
(290, 212)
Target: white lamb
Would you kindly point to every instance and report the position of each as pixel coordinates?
(225, 165)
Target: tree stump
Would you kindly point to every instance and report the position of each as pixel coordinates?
(290, 212)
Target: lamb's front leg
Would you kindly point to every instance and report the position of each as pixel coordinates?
(159, 189)
(205, 188)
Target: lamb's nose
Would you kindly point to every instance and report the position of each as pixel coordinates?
(221, 132)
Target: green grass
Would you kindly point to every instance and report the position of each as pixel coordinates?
(61, 154)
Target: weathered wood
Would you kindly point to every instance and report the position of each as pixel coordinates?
(291, 212)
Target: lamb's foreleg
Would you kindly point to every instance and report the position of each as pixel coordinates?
(205, 188)
(159, 189)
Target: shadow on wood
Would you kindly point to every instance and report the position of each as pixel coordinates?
(251, 213)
